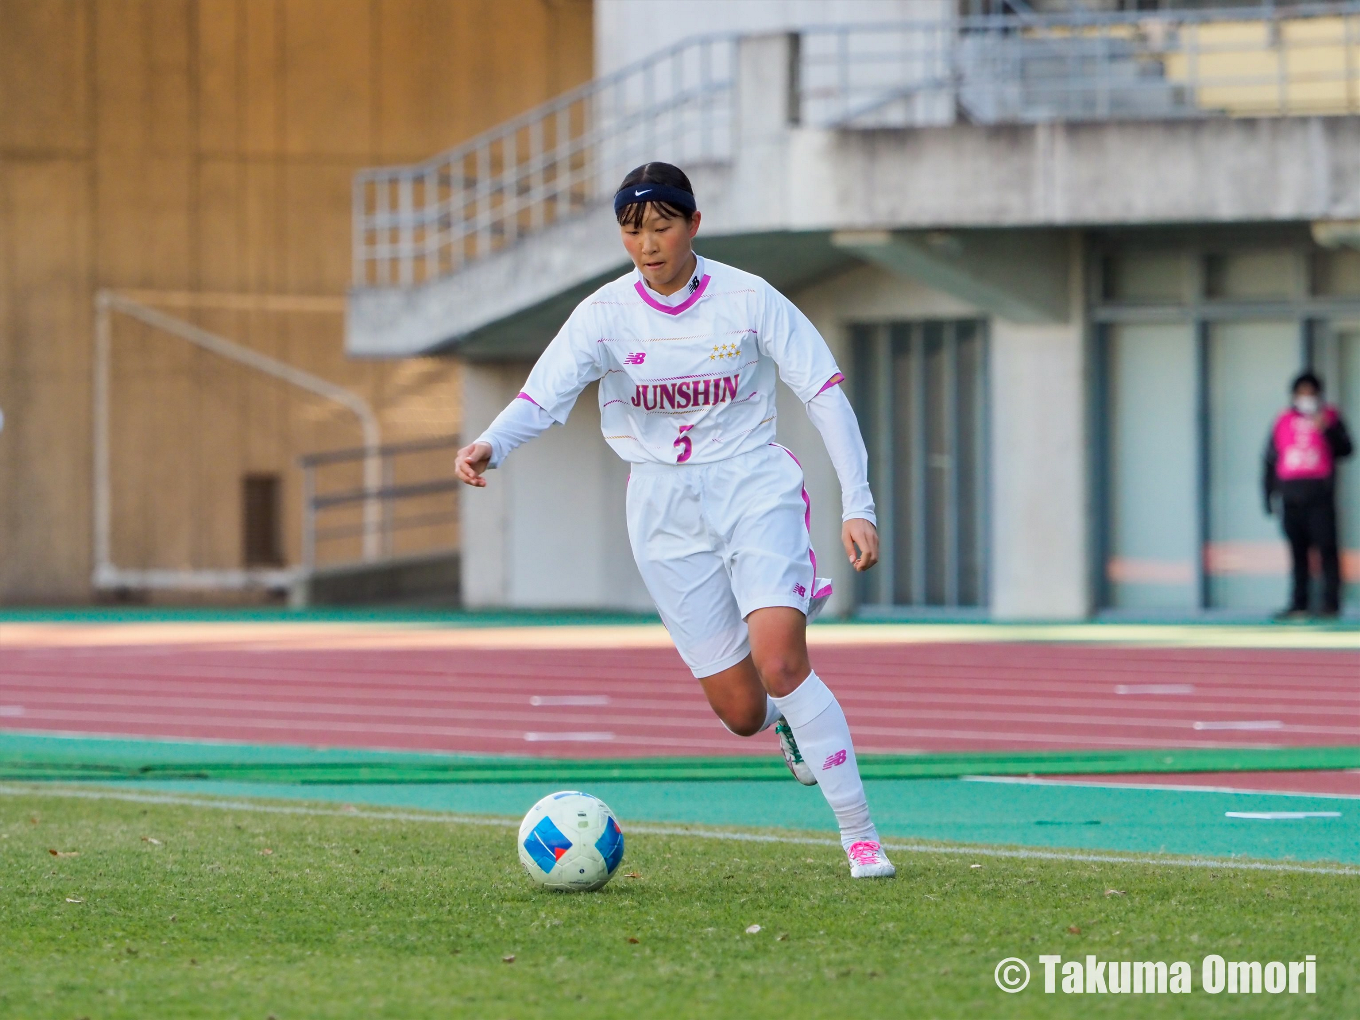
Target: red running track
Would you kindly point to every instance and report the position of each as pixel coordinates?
(642, 702)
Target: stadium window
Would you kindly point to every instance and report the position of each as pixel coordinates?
(261, 515)
(920, 391)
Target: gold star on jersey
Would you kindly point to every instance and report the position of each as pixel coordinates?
(724, 351)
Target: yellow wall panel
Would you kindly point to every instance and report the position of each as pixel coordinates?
(328, 94)
(46, 487)
(317, 227)
(122, 77)
(221, 258)
(171, 93)
(209, 145)
(44, 87)
(144, 212)
(219, 75)
(262, 78)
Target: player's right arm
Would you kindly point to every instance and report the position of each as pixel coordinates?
(570, 363)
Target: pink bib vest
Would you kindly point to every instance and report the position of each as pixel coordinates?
(1301, 449)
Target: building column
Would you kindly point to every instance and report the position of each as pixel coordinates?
(1040, 505)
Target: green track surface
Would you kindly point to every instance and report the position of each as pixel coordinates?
(949, 810)
(187, 911)
(922, 797)
(34, 756)
(448, 617)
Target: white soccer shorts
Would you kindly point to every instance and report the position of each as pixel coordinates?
(716, 541)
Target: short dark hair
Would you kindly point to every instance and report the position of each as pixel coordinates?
(654, 173)
(1306, 378)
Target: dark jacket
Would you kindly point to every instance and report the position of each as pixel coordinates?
(1305, 490)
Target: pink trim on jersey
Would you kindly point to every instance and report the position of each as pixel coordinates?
(521, 395)
(641, 288)
(835, 380)
(807, 522)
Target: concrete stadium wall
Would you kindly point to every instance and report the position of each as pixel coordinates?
(209, 145)
(626, 31)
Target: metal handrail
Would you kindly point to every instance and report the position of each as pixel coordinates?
(1084, 65)
(379, 490)
(355, 454)
(418, 222)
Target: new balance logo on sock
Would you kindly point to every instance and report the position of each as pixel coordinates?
(836, 759)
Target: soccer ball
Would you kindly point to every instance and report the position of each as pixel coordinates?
(571, 842)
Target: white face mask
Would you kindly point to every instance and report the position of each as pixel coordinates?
(1306, 405)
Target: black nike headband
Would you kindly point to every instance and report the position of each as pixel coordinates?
(635, 194)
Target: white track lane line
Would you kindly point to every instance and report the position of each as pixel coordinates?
(243, 730)
(665, 830)
(1178, 787)
(309, 710)
(262, 697)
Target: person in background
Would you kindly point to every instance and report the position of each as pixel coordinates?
(1305, 444)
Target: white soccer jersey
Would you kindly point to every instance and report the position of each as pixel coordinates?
(685, 379)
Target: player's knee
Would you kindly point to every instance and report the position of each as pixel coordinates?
(781, 674)
(744, 726)
(745, 721)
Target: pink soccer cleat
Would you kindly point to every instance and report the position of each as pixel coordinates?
(867, 860)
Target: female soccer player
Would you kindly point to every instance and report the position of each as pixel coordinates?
(685, 351)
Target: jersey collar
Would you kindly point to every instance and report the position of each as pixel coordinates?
(683, 298)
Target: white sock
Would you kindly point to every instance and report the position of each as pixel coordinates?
(823, 736)
(771, 714)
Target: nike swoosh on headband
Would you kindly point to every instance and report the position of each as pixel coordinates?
(636, 192)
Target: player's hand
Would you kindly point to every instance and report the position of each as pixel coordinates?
(860, 539)
(471, 461)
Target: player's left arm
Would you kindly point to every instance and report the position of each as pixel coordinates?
(807, 366)
(835, 419)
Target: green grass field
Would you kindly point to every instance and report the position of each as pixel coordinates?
(154, 909)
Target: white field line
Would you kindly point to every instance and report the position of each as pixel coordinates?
(1179, 787)
(1280, 816)
(668, 830)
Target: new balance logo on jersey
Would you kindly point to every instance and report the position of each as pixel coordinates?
(691, 393)
(836, 759)
(636, 358)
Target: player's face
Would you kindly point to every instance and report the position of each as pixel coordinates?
(660, 248)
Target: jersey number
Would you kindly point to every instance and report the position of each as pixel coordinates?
(684, 445)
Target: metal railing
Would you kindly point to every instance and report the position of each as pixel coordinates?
(1294, 60)
(416, 494)
(416, 223)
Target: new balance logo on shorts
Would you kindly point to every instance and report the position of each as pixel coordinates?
(836, 759)
(800, 591)
(636, 358)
